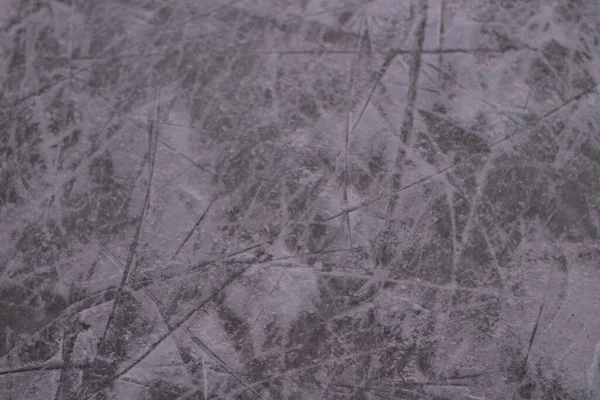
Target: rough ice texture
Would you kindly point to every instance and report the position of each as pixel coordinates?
(299, 199)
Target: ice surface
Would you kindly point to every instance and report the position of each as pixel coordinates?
(299, 199)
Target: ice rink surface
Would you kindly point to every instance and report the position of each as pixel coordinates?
(299, 199)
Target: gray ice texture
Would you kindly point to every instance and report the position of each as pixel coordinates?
(299, 199)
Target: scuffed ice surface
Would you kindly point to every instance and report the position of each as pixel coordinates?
(299, 199)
